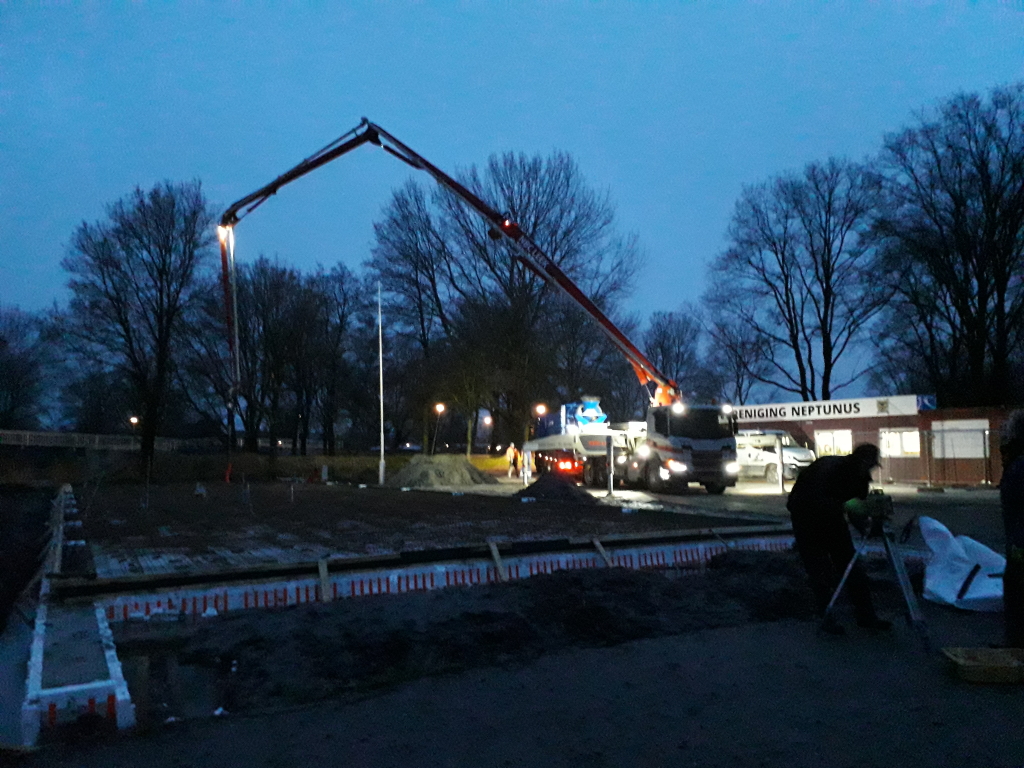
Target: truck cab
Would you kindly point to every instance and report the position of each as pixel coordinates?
(685, 444)
(757, 454)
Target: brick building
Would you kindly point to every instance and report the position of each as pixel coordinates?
(918, 443)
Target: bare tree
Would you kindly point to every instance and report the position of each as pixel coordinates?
(736, 358)
(440, 265)
(22, 358)
(132, 277)
(267, 296)
(952, 237)
(410, 259)
(203, 373)
(797, 270)
(672, 342)
(338, 292)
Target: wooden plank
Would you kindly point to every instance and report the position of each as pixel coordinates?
(601, 551)
(325, 584)
(500, 566)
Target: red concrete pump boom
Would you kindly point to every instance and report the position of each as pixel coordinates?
(525, 250)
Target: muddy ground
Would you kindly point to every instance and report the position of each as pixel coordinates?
(273, 659)
(130, 526)
(605, 667)
(597, 668)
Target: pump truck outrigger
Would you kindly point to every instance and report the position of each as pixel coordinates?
(660, 456)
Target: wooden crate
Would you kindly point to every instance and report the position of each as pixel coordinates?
(988, 665)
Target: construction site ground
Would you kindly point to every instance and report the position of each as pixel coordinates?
(606, 667)
(170, 529)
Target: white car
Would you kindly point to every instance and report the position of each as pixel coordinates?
(755, 451)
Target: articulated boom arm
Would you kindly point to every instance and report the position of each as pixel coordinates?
(525, 250)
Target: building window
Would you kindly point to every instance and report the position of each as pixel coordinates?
(960, 439)
(896, 443)
(833, 442)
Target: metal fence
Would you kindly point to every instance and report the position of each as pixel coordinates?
(81, 440)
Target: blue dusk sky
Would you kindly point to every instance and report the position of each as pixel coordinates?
(670, 107)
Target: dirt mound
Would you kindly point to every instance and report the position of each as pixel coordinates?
(437, 471)
(554, 487)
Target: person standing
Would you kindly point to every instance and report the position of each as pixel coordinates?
(513, 459)
(1011, 497)
(822, 535)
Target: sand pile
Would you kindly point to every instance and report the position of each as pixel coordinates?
(555, 487)
(435, 471)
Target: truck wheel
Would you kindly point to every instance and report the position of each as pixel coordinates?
(715, 489)
(653, 477)
(771, 474)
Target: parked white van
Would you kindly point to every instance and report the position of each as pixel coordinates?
(755, 451)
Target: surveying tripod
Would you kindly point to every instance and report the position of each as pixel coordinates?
(874, 515)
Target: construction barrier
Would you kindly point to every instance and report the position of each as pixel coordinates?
(107, 697)
(212, 600)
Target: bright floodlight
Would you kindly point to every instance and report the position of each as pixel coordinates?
(488, 420)
(439, 408)
(678, 408)
(541, 409)
(726, 409)
(134, 420)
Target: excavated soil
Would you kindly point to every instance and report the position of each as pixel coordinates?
(554, 487)
(438, 472)
(267, 660)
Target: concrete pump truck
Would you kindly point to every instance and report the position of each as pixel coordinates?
(678, 444)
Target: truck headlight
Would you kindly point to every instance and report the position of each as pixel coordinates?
(643, 451)
(732, 468)
(676, 466)
(620, 460)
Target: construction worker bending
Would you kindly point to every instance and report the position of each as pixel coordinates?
(822, 535)
(1011, 496)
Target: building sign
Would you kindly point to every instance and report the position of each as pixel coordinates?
(861, 407)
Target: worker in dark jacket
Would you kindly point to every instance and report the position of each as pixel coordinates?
(1011, 494)
(822, 535)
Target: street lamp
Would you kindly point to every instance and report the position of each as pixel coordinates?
(488, 422)
(540, 409)
(134, 421)
(439, 408)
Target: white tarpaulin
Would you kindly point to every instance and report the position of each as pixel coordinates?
(958, 572)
